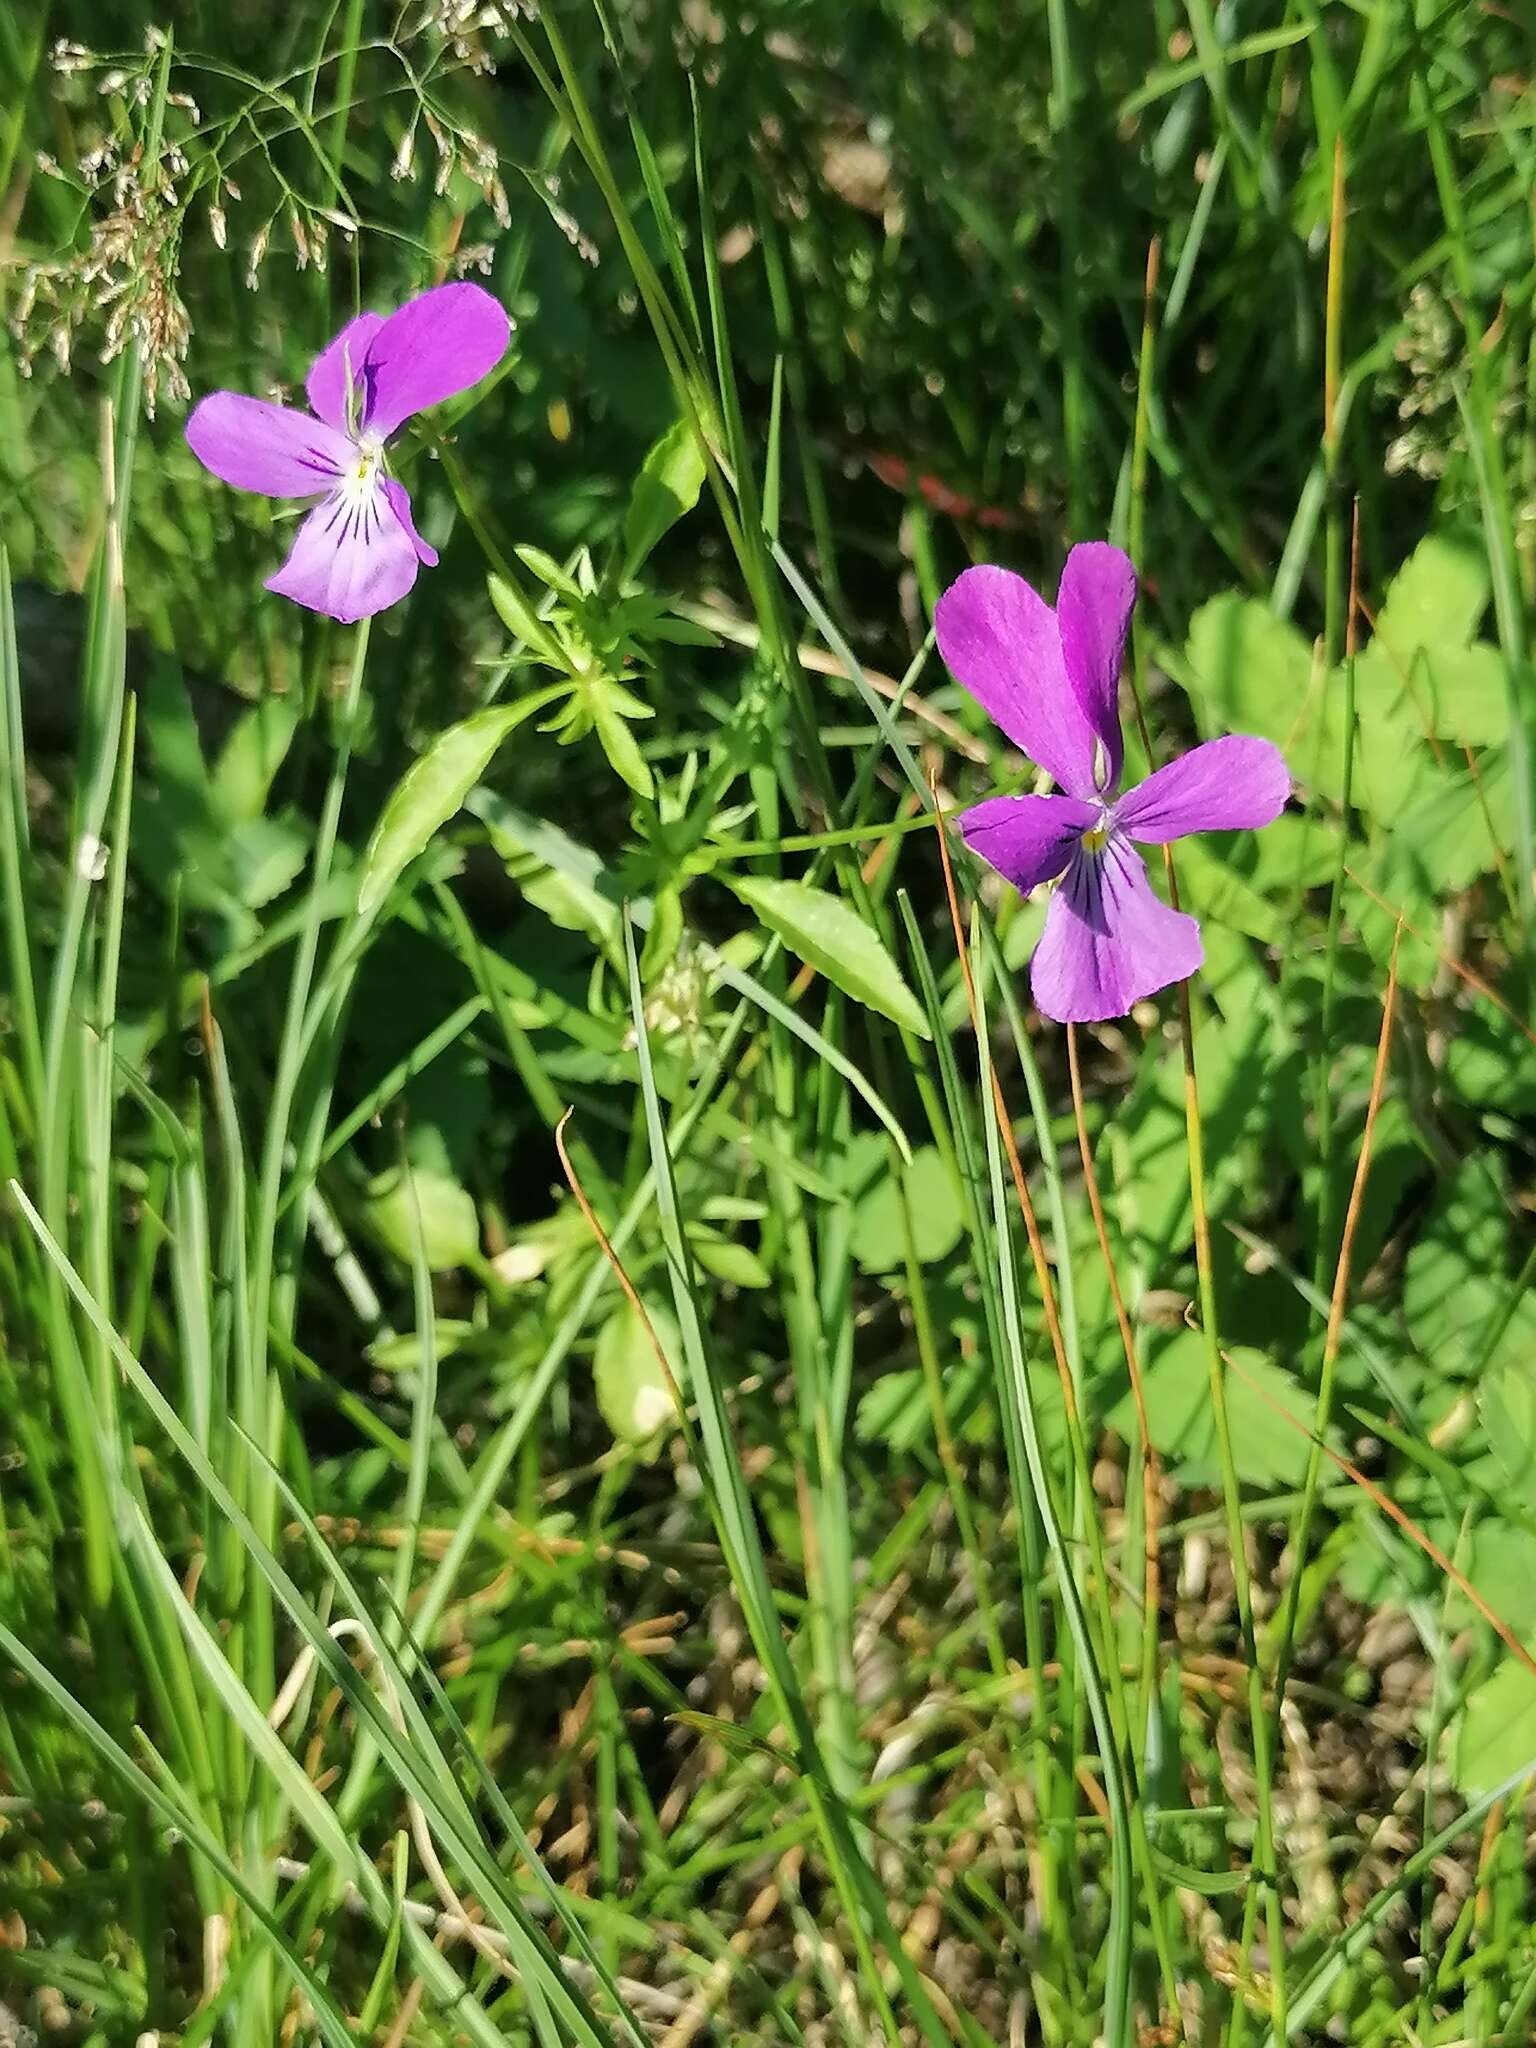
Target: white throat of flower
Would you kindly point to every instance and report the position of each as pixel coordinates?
(360, 479)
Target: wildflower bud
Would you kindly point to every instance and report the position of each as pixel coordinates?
(258, 251)
(300, 240)
(218, 226)
(405, 155)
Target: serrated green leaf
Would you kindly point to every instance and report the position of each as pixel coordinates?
(1252, 672)
(1503, 1569)
(1267, 1449)
(1456, 1290)
(836, 941)
(1437, 597)
(1498, 1730)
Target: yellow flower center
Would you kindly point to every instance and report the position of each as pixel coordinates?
(1094, 840)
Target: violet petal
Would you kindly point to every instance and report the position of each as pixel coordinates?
(1093, 612)
(326, 384)
(400, 498)
(274, 449)
(436, 344)
(349, 560)
(1000, 638)
(1108, 941)
(1028, 839)
(1228, 785)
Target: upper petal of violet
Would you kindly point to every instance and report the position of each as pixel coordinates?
(1227, 785)
(274, 449)
(436, 344)
(1028, 839)
(1000, 638)
(1093, 612)
(1108, 941)
(351, 558)
(327, 383)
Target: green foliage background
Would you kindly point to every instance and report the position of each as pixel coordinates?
(360, 1577)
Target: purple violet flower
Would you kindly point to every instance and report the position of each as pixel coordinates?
(1050, 680)
(358, 550)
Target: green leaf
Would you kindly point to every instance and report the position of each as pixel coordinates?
(1456, 1291)
(181, 775)
(620, 744)
(897, 1411)
(264, 855)
(1506, 1400)
(547, 569)
(736, 1264)
(1210, 1884)
(516, 614)
(252, 755)
(1213, 888)
(937, 1218)
(1437, 597)
(1437, 848)
(665, 934)
(632, 1392)
(431, 790)
(1422, 677)
(1252, 672)
(1498, 1730)
(450, 1227)
(667, 488)
(1488, 1061)
(835, 940)
(1268, 1451)
(1504, 1571)
(1458, 693)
